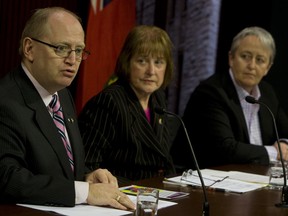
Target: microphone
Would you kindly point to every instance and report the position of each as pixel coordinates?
(284, 197)
(205, 209)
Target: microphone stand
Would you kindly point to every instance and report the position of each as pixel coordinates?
(205, 207)
(284, 196)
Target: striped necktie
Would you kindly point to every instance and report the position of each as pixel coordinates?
(57, 116)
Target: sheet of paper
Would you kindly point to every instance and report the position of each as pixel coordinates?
(213, 172)
(232, 181)
(249, 177)
(242, 176)
(236, 186)
(87, 210)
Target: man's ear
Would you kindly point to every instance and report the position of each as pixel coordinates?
(27, 49)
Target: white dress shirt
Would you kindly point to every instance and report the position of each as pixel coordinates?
(252, 117)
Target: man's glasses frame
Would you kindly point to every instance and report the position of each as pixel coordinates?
(64, 51)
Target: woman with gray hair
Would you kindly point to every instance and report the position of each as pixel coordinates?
(224, 128)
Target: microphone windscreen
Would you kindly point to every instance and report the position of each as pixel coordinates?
(159, 110)
(250, 99)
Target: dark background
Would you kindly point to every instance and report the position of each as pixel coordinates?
(269, 14)
(235, 15)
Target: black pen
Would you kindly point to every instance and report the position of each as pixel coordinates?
(166, 181)
(218, 190)
(222, 190)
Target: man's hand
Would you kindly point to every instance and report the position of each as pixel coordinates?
(102, 176)
(103, 191)
(103, 194)
(284, 150)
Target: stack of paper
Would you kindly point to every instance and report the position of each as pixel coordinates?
(231, 181)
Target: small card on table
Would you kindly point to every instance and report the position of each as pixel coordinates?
(164, 194)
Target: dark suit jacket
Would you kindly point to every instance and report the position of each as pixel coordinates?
(117, 135)
(216, 125)
(34, 166)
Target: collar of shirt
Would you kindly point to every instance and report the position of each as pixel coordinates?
(242, 93)
(45, 95)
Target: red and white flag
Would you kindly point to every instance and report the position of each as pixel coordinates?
(109, 22)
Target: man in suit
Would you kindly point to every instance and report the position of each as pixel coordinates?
(34, 165)
(223, 127)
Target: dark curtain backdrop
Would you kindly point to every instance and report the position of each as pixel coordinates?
(235, 15)
(13, 15)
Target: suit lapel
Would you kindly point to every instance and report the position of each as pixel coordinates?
(44, 121)
(152, 137)
(73, 131)
(265, 118)
(234, 102)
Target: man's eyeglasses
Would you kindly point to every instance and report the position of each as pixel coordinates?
(64, 50)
